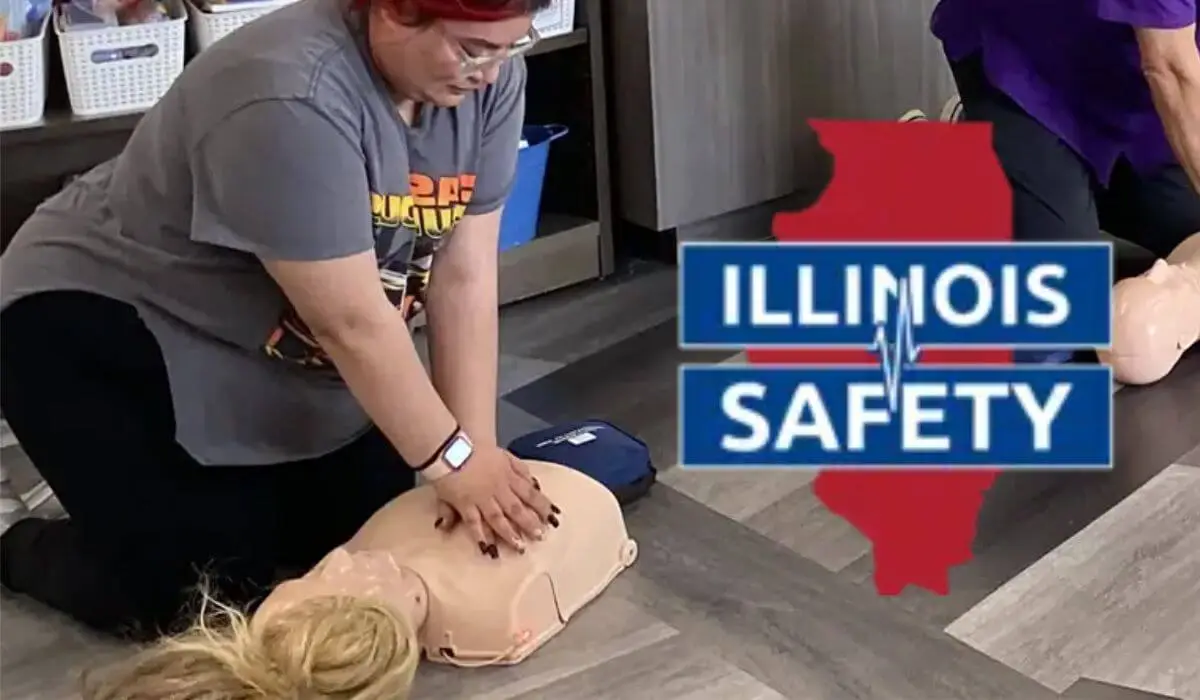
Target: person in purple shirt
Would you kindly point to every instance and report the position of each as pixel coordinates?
(1095, 110)
(1095, 107)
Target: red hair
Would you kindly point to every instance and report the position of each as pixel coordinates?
(458, 10)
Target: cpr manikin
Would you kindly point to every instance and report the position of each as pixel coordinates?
(1156, 317)
(356, 625)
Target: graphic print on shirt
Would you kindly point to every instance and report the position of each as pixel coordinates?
(421, 221)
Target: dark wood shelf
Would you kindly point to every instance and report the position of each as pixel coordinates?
(579, 37)
(565, 251)
(62, 124)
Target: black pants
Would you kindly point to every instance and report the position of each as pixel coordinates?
(1055, 196)
(85, 390)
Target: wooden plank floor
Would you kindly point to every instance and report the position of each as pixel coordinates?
(1112, 603)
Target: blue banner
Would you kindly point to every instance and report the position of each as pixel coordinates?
(1012, 295)
(1035, 417)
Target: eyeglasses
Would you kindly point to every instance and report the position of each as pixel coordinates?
(470, 64)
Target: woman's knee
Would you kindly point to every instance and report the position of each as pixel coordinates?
(1157, 211)
(166, 576)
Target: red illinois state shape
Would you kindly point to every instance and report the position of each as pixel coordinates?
(916, 182)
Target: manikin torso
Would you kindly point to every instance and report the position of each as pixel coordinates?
(470, 609)
(1156, 317)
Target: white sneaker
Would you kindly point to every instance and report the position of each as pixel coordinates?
(12, 508)
(914, 115)
(37, 496)
(952, 110)
(40, 493)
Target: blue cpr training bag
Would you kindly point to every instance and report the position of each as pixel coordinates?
(597, 448)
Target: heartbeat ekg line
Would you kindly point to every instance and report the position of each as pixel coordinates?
(899, 352)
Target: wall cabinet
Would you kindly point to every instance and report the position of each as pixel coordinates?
(710, 97)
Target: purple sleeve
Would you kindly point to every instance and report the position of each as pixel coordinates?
(1149, 14)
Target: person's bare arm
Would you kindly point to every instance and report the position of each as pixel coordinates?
(463, 299)
(1171, 64)
(346, 310)
(463, 324)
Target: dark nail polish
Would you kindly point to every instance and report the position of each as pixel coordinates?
(552, 520)
(537, 485)
(483, 548)
(554, 509)
(438, 523)
(493, 551)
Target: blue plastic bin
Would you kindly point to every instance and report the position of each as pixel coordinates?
(518, 223)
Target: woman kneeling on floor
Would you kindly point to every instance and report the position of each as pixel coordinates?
(205, 350)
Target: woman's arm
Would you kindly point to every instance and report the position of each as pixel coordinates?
(464, 323)
(281, 181)
(1171, 63)
(344, 306)
(1166, 36)
(463, 293)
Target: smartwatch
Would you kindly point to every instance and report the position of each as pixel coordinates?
(450, 457)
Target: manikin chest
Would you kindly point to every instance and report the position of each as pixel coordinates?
(484, 610)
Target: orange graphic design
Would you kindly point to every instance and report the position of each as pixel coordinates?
(426, 214)
(431, 206)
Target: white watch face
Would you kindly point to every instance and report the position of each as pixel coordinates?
(457, 452)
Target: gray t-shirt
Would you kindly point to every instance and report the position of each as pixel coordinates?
(279, 142)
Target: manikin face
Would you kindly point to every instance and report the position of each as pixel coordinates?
(367, 574)
(443, 62)
(1151, 324)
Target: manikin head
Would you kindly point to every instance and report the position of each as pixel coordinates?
(1156, 317)
(346, 629)
(438, 51)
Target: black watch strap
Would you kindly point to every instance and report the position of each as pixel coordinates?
(437, 454)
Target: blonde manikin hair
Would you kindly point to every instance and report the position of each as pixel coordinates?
(324, 648)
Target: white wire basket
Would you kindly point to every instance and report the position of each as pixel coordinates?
(209, 27)
(122, 69)
(557, 19)
(23, 79)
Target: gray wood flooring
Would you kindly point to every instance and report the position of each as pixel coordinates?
(790, 622)
(43, 654)
(676, 668)
(1083, 587)
(1088, 689)
(1118, 602)
(605, 634)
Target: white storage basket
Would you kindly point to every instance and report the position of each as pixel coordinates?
(557, 19)
(208, 27)
(122, 69)
(23, 79)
